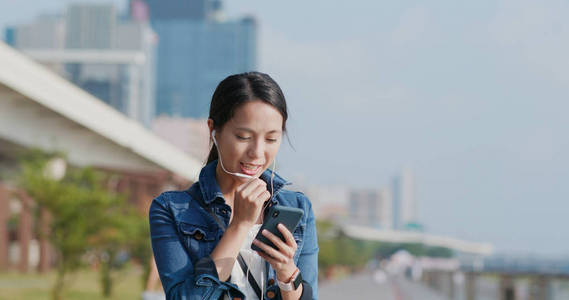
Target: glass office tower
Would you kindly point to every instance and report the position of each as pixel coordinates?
(197, 48)
(194, 56)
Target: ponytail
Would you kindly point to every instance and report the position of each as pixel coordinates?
(212, 154)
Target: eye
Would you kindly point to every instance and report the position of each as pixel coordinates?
(272, 140)
(243, 138)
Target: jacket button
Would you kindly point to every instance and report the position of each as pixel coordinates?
(198, 236)
(271, 294)
(271, 281)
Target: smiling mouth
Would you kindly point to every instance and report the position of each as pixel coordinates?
(250, 169)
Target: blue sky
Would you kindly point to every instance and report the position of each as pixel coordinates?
(473, 96)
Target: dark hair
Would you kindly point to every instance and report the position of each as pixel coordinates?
(235, 90)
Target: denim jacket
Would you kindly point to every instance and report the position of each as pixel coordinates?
(184, 235)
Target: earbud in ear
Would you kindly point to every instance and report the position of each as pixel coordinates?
(213, 137)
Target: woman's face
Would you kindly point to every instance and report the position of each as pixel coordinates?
(249, 142)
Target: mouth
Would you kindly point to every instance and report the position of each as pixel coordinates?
(250, 169)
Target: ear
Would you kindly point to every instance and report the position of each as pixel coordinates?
(210, 126)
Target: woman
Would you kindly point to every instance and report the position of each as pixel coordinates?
(202, 237)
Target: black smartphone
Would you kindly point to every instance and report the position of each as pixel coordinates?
(288, 216)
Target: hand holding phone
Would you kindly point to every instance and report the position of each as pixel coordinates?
(288, 216)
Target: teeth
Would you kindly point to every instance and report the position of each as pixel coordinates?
(250, 167)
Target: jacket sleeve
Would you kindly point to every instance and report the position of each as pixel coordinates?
(308, 259)
(180, 278)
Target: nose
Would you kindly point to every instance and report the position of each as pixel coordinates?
(256, 149)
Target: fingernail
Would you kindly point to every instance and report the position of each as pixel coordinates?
(265, 231)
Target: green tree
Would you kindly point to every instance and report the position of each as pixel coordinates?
(338, 249)
(86, 218)
(124, 234)
(327, 254)
(441, 252)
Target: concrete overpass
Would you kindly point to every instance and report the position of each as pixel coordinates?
(40, 109)
(396, 236)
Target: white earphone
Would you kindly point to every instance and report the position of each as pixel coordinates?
(243, 175)
(239, 174)
(219, 154)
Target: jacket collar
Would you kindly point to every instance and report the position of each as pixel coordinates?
(210, 189)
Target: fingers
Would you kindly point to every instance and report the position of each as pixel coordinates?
(255, 192)
(253, 189)
(287, 247)
(277, 242)
(269, 259)
(260, 194)
(249, 186)
(272, 252)
(285, 250)
(289, 238)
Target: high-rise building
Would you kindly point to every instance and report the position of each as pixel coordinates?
(194, 56)
(371, 208)
(396, 193)
(328, 202)
(386, 212)
(10, 36)
(46, 32)
(111, 59)
(197, 49)
(179, 9)
(90, 26)
(408, 208)
(404, 203)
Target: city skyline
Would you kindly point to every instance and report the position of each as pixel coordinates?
(92, 47)
(471, 95)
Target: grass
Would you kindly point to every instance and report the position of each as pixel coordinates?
(84, 285)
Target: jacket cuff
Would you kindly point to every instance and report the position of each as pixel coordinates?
(206, 275)
(233, 290)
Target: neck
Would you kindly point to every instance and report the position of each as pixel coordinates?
(227, 184)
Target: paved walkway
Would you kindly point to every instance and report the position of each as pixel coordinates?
(363, 286)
